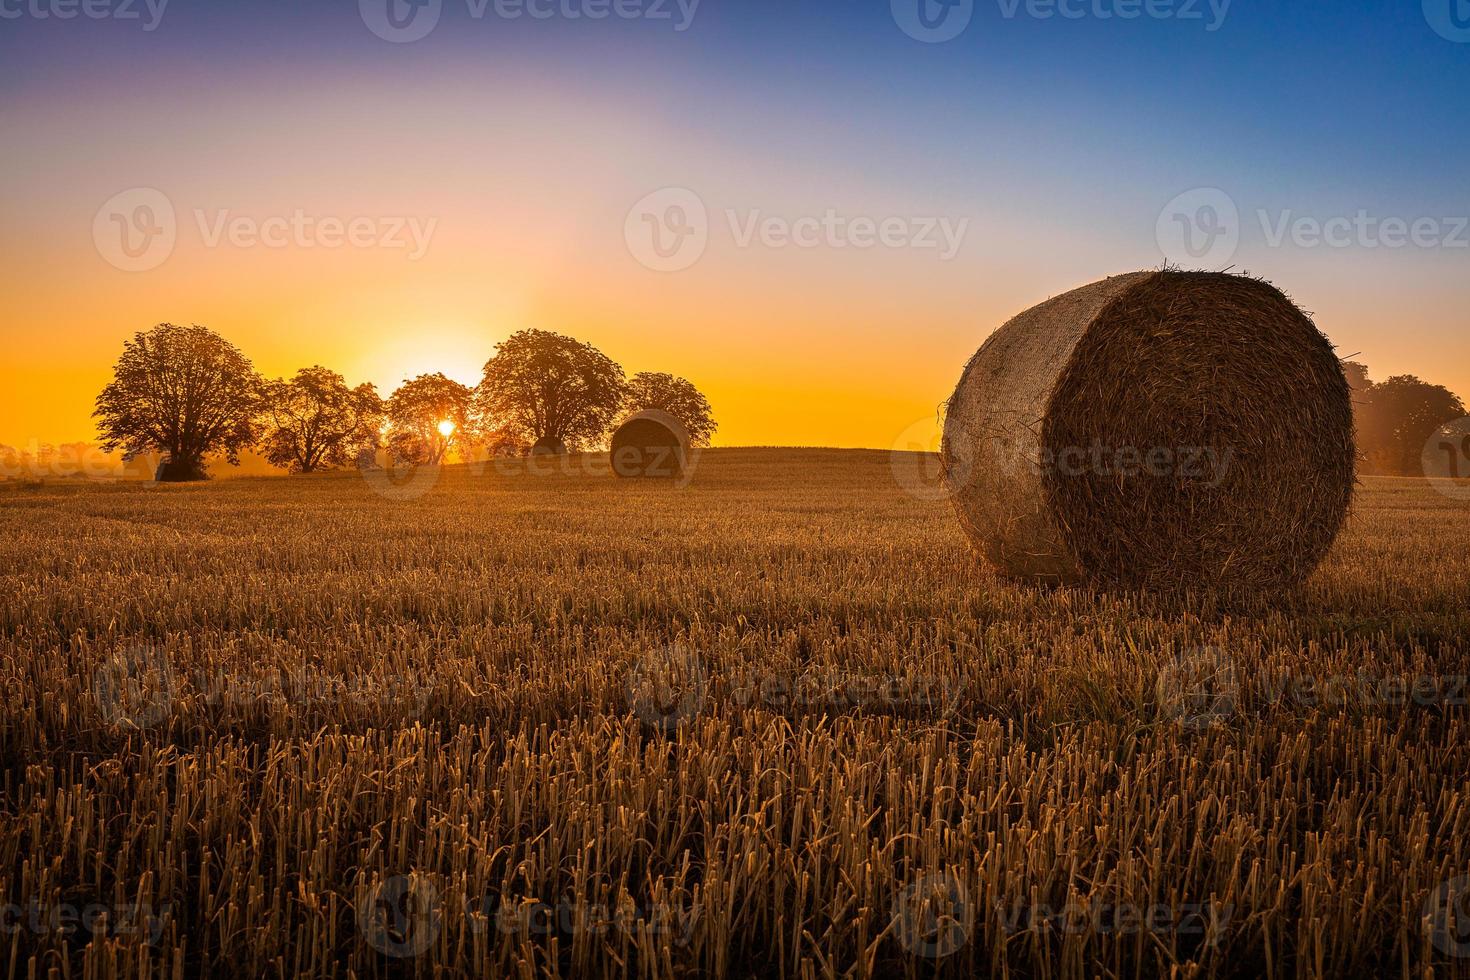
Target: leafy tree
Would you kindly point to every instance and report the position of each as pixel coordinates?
(1397, 417)
(428, 417)
(1357, 375)
(182, 391)
(674, 395)
(542, 384)
(315, 422)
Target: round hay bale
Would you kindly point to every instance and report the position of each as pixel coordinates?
(651, 444)
(1159, 430)
(180, 471)
(549, 446)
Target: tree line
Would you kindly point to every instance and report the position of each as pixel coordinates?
(1394, 419)
(186, 393)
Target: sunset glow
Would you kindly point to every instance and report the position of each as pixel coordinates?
(304, 237)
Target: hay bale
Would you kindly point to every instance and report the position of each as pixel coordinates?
(179, 471)
(549, 446)
(1158, 429)
(651, 444)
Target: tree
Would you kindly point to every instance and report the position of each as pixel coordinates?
(427, 417)
(182, 391)
(314, 421)
(1398, 416)
(541, 384)
(674, 395)
(1356, 373)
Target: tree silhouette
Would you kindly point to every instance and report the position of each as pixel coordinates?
(182, 391)
(1398, 416)
(315, 422)
(1356, 373)
(427, 417)
(542, 385)
(649, 389)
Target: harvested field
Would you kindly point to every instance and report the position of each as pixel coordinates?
(292, 727)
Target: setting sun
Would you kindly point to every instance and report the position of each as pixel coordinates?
(446, 428)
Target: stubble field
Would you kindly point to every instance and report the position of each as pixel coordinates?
(775, 722)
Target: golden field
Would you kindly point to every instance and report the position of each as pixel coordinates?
(777, 721)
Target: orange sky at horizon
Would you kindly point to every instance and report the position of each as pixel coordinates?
(824, 346)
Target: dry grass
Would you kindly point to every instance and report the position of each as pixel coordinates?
(347, 697)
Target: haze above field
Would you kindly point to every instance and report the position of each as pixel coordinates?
(500, 160)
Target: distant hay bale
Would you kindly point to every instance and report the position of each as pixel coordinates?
(179, 471)
(1158, 429)
(549, 446)
(651, 444)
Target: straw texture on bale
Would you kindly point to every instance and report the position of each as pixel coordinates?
(1158, 429)
(651, 443)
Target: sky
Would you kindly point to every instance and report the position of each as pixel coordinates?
(815, 211)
